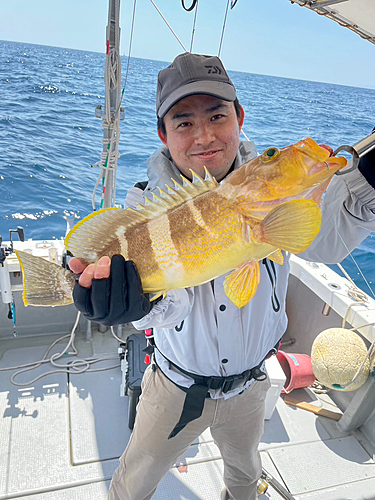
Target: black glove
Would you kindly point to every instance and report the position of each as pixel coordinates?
(367, 166)
(114, 300)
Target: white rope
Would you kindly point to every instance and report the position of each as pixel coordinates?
(75, 367)
(130, 49)
(115, 336)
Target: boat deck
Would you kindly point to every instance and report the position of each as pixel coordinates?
(62, 435)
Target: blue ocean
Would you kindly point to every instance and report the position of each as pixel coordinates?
(50, 137)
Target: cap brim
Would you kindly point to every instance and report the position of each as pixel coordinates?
(221, 90)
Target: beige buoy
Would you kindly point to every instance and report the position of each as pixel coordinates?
(336, 356)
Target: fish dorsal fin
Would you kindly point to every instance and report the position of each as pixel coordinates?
(175, 196)
(88, 239)
(188, 190)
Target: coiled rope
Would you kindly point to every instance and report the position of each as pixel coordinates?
(77, 366)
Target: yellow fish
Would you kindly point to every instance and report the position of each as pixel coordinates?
(196, 231)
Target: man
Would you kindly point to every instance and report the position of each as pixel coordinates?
(208, 364)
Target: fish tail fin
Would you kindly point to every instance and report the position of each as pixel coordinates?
(45, 283)
(292, 226)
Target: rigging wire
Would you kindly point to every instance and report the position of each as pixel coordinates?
(232, 5)
(169, 26)
(130, 49)
(195, 3)
(223, 29)
(355, 262)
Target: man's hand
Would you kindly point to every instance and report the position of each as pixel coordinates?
(109, 292)
(93, 271)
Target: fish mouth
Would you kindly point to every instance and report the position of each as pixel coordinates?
(316, 160)
(327, 168)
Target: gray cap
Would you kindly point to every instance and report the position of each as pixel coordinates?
(192, 74)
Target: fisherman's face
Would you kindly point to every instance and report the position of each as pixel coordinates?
(202, 130)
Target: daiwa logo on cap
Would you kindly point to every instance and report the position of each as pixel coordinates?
(213, 70)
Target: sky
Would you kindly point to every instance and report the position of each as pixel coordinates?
(270, 37)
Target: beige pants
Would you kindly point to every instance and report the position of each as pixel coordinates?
(236, 427)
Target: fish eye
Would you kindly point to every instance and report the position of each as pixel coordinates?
(270, 154)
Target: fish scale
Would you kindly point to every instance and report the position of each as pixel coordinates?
(200, 244)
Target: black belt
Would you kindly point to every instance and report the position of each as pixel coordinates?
(197, 393)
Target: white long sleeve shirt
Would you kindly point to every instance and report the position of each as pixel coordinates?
(201, 330)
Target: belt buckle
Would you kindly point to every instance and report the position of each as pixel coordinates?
(228, 384)
(214, 383)
(257, 374)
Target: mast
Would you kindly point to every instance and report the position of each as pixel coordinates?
(111, 113)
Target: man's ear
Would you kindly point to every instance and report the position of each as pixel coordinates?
(162, 137)
(241, 118)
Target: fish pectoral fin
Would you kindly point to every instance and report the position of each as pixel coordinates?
(241, 284)
(291, 226)
(277, 257)
(45, 283)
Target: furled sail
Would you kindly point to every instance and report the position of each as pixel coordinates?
(357, 15)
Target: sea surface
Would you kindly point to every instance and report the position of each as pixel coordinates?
(49, 136)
